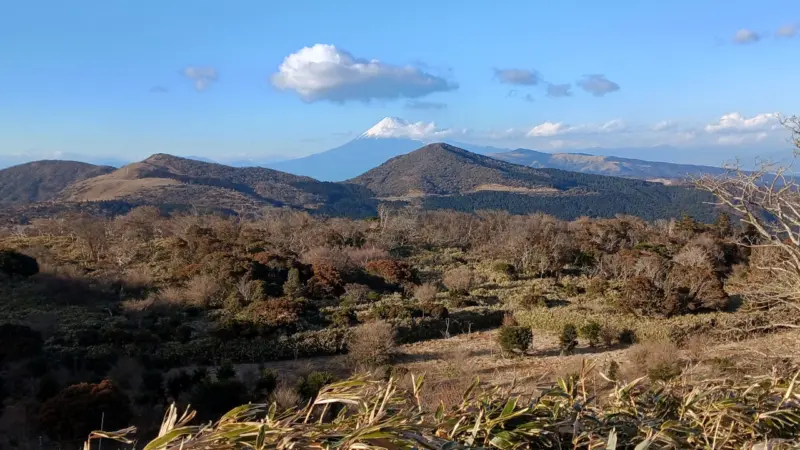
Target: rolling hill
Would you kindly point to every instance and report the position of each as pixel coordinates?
(443, 169)
(43, 180)
(436, 176)
(441, 176)
(169, 180)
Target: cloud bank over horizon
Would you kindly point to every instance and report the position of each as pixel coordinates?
(731, 129)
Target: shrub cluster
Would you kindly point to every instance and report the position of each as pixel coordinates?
(514, 340)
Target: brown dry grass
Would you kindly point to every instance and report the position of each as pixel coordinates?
(285, 397)
(110, 188)
(658, 360)
(524, 190)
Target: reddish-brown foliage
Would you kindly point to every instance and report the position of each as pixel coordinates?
(642, 297)
(327, 280)
(390, 270)
(77, 410)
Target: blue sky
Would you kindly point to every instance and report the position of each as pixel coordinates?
(231, 79)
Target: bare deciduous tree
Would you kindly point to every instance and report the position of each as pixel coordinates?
(768, 200)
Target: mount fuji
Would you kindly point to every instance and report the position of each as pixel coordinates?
(392, 137)
(387, 139)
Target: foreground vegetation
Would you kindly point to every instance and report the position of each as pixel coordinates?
(110, 320)
(360, 413)
(130, 314)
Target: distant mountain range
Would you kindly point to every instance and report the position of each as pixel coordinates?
(436, 176)
(379, 144)
(390, 138)
(607, 165)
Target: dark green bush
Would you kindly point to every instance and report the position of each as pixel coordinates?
(613, 370)
(434, 310)
(179, 383)
(226, 372)
(344, 317)
(13, 263)
(514, 339)
(152, 388)
(48, 387)
(293, 286)
(591, 332)
(18, 342)
(265, 385)
(627, 337)
(308, 387)
(211, 399)
(199, 375)
(568, 339)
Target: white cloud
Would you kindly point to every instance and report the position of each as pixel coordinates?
(745, 36)
(548, 129)
(393, 127)
(736, 129)
(787, 31)
(735, 122)
(559, 128)
(324, 72)
(760, 131)
(202, 76)
(611, 126)
(664, 125)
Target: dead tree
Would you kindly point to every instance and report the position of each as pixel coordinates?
(767, 199)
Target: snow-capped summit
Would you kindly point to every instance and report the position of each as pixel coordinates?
(387, 127)
(386, 139)
(395, 127)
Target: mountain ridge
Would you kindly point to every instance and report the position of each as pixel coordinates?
(435, 176)
(165, 179)
(606, 165)
(443, 169)
(441, 176)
